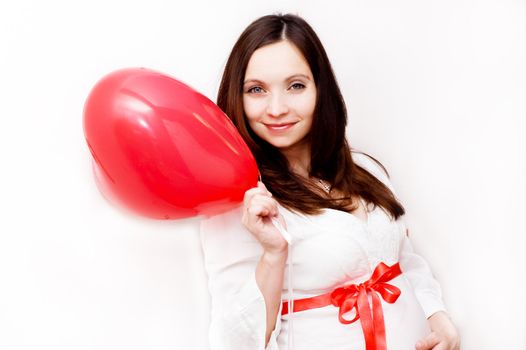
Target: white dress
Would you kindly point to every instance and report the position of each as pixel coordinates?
(328, 250)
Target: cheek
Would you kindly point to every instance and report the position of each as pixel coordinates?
(253, 112)
(253, 108)
(305, 105)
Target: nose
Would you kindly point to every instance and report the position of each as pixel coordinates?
(277, 105)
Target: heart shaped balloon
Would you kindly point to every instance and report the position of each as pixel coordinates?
(162, 149)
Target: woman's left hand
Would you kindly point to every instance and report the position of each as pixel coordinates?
(443, 336)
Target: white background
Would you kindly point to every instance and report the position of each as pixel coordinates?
(435, 89)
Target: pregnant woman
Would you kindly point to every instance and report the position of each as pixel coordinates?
(356, 281)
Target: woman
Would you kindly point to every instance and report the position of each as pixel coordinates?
(357, 282)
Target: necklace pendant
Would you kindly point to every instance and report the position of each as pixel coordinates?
(325, 186)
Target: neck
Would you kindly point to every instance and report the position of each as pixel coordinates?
(299, 159)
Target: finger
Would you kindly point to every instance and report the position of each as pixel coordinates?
(421, 345)
(268, 202)
(440, 346)
(262, 186)
(251, 193)
(428, 342)
(258, 210)
(258, 216)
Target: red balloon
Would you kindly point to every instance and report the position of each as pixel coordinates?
(162, 149)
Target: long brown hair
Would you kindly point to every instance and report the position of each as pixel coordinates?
(331, 158)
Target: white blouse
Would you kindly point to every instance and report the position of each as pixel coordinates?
(328, 251)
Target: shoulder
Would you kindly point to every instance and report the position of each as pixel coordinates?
(225, 240)
(373, 166)
(368, 162)
(225, 220)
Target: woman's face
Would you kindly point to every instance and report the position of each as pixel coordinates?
(279, 95)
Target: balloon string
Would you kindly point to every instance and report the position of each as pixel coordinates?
(290, 342)
(288, 238)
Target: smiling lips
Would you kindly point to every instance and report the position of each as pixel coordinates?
(279, 127)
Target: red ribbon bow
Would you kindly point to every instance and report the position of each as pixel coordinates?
(355, 297)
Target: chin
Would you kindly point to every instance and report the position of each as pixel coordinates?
(283, 146)
(280, 144)
(286, 143)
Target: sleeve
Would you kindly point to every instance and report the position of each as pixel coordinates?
(417, 271)
(415, 268)
(238, 314)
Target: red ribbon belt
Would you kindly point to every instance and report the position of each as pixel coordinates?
(355, 296)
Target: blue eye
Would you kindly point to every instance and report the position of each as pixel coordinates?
(298, 85)
(252, 90)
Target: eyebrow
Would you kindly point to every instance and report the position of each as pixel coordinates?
(289, 78)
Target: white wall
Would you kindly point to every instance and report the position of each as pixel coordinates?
(435, 90)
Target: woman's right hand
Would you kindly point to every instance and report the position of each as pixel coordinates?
(258, 209)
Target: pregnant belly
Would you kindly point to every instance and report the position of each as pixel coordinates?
(318, 329)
